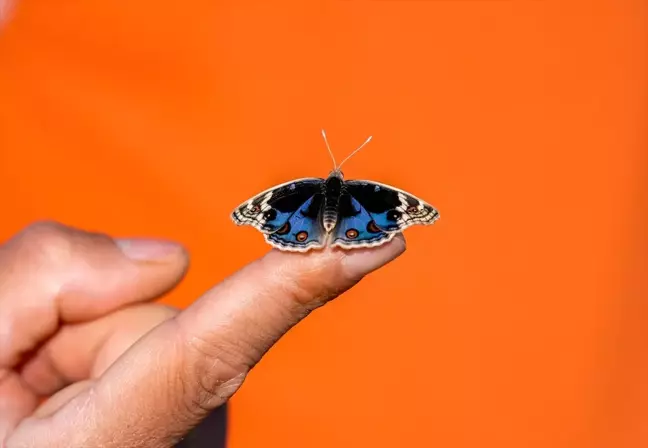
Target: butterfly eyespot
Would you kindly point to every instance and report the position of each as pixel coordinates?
(255, 209)
(393, 215)
(301, 236)
(412, 209)
(270, 215)
(372, 227)
(352, 233)
(284, 229)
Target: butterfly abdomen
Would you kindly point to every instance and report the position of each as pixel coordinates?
(332, 192)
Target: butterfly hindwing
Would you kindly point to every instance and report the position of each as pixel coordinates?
(356, 227)
(392, 210)
(303, 230)
(271, 209)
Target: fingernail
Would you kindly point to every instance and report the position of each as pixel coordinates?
(363, 261)
(146, 249)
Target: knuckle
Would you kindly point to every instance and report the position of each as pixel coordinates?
(50, 241)
(307, 295)
(46, 241)
(214, 371)
(44, 228)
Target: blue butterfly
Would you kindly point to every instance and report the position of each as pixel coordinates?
(311, 213)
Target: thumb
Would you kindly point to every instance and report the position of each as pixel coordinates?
(173, 377)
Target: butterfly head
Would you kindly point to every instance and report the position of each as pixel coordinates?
(336, 173)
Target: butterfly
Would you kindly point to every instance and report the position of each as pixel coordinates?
(312, 213)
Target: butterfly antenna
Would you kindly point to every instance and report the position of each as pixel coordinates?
(329, 149)
(353, 153)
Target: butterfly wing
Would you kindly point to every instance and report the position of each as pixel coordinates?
(271, 209)
(356, 227)
(303, 230)
(392, 209)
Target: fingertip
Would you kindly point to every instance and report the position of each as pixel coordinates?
(360, 262)
(319, 273)
(157, 261)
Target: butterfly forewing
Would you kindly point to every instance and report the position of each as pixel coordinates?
(392, 209)
(270, 210)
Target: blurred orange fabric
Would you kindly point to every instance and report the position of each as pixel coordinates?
(518, 320)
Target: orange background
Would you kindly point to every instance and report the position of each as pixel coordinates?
(518, 320)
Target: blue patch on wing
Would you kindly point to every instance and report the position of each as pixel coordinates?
(356, 227)
(302, 230)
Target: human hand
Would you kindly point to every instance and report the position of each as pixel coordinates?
(76, 325)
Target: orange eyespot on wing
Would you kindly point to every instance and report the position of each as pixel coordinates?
(352, 234)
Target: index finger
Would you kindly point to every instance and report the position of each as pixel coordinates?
(52, 274)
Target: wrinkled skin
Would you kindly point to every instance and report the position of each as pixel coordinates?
(78, 325)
